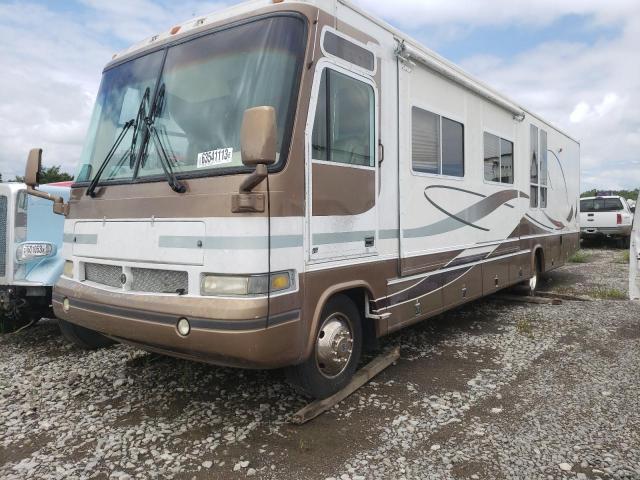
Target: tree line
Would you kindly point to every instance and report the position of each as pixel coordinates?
(628, 194)
(47, 175)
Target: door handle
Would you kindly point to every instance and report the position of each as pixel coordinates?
(369, 241)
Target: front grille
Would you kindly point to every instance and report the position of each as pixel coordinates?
(3, 235)
(159, 281)
(103, 274)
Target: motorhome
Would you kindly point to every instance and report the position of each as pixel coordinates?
(283, 182)
(30, 253)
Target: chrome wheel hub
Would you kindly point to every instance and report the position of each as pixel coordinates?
(334, 345)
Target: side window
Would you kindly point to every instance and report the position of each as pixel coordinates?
(543, 169)
(437, 144)
(498, 159)
(343, 130)
(533, 196)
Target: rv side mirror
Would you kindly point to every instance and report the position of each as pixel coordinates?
(32, 179)
(258, 136)
(32, 170)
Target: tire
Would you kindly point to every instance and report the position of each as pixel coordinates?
(328, 369)
(15, 314)
(83, 337)
(534, 282)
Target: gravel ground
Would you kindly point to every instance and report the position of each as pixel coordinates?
(490, 391)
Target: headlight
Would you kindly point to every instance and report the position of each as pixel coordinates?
(68, 269)
(28, 251)
(234, 285)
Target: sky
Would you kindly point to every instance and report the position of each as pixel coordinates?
(576, 63)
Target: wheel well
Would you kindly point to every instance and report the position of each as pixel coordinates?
(359, 296)
(539, 260)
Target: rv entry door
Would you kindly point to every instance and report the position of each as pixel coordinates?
(342, 171)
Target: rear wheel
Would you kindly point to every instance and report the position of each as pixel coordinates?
(336, 352)
(534, 282)
(83, 337)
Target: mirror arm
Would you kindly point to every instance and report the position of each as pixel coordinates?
(253, 180)
(59, 207)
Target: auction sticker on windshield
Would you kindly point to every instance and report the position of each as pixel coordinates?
(215, 157)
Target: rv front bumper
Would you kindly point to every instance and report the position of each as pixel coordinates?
(228, 332)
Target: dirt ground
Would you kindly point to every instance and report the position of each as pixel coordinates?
(493, 390)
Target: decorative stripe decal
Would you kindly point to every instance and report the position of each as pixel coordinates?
(341, 237)
(80, 238)
(230, 243)
(467, 217)
(556, 223)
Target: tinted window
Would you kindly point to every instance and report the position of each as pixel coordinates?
(534, 154)
(601, 205)
(452, 148)
(491, 158)
(348, 51)
(543, 157)
(498, 159)
(437, 144)
(533, 170)
(343, 130)
(425, 141)
(506, 161)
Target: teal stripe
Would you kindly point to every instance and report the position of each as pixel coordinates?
(341, 237)
(231, 243)
(81, 238)
(391, 234)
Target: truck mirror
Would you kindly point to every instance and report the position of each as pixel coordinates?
(32, 170)
(258, 136)
(32, 179)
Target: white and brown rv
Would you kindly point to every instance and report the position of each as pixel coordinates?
(275, 184)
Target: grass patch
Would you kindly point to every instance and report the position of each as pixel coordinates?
(579, 257)
(524, 327)
(605, 293)
(624, 258)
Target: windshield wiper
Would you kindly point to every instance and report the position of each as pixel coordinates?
(165, 160)
(136, 123)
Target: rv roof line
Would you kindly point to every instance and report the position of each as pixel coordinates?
(408, 52)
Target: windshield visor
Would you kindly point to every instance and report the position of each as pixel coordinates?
(198, 100)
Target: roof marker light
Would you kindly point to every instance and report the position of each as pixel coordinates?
(175, 30)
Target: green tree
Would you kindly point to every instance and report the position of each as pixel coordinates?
(51, 175)
(628, 194)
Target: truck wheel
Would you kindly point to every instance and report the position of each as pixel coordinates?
(336, 352)
(15, 314)
(83, 337)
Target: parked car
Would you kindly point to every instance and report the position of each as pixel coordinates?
(30, 262)
(606, 216)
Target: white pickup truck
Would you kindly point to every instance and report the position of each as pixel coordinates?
(608, 216)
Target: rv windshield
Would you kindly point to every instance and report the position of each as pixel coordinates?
(202, 88)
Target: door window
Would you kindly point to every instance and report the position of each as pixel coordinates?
(343, 130)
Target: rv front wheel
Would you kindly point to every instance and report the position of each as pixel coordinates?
(83, 337)
(336, 352)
